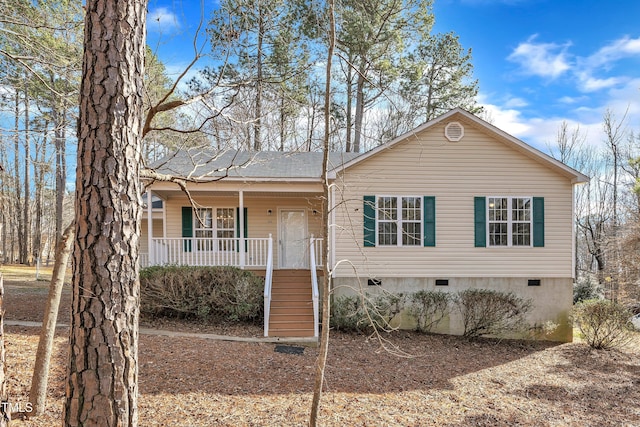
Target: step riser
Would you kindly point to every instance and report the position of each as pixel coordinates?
(291, 318)
(291, 334)
(282, 311)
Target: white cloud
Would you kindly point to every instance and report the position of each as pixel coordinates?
(625, 97)
(506, 119)
(515, 103)
(162, 20)
(588, 83)
(622, 48)
(605, 59)
(541, 59)
(571, 99)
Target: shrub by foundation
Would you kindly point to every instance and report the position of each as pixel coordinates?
(603, 324)
(489, 312)
(204, 293)
(364, 313)
(428, 308)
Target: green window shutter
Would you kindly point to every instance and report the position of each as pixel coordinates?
(369, 212)
(538, 222)
(187, 226)
(429, 220)
(246, 228)
(480, 221)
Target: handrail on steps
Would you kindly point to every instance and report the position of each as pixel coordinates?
(267, 286)
(314, 286)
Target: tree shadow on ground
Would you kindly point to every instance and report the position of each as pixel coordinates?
(356, 364)
(600, 383)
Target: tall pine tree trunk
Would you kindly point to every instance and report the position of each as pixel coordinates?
(102, 372)
(39, 174)
(359, 116)
(257, 126)
(24, 254)
(20, 229)
(61, 165)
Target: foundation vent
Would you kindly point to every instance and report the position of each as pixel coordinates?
(454, 131)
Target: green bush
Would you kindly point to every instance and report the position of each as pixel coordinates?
(360, 313)
(217, 293)
(489, 312)
(428, 308)
(603, 324)
(586, 288)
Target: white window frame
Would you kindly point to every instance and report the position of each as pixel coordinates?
(510, 221)
(400, 221)
(214, 229)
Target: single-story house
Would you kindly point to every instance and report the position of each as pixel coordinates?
(454, 204)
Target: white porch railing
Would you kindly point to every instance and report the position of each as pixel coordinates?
(208, 251)
(144, 259)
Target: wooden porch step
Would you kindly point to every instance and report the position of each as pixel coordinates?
(294, 317)
(281, 296)
(291, 304)
(306, 309)
(294, 333)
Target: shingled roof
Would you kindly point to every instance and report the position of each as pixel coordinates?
(244, 164)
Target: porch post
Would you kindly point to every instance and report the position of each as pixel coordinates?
(150, 228)
(242, 236)
(331, 235)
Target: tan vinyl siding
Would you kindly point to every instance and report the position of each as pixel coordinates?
(157, 231)
(454, 172)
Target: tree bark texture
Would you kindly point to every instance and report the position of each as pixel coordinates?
(38, 392)
(102, 371)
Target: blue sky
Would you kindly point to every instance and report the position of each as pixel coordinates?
(538, 62)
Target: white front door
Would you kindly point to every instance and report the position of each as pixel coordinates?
(294, 251)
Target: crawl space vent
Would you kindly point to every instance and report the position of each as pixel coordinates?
(454, 131)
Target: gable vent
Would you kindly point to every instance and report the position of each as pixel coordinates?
(454, 131)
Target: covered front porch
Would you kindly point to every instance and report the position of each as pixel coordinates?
(215, 230)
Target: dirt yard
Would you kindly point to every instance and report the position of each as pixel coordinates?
(435, 381)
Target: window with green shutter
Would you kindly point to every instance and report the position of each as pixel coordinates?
(509, 221)
(429, 238)
(369, 211)
(187, 226)
(399, 221)
(538, 222)
(480, 221)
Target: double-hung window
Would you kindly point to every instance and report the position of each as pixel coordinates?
(223, 229)
(399, 221)
(509, 221)
(203, 228)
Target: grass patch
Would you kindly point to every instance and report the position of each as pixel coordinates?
(25, 273)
